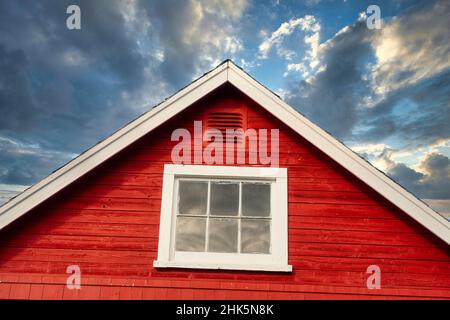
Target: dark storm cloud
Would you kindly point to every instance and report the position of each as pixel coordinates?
(406, 176)
(195, 35)
(17, 169)
(412, 65)
(15, 90)
(388, 84)
(180, 57)
(61, 89)
(332, 97)
(64, 90)
(420, 125)
(23, 164)
(433, 184)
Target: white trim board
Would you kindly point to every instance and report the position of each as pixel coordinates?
(226, 72)
(276, 260)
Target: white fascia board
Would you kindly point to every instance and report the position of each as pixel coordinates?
(104, 150)
(341, 154)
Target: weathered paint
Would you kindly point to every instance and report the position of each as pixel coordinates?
(107, 223)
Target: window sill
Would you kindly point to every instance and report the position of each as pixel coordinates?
(212, 266)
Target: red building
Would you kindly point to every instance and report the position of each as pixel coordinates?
(313, 221)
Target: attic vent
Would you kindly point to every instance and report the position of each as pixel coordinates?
(223, 121)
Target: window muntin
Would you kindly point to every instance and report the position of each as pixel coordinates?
(235, 216)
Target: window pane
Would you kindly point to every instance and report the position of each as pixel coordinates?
(190, 234)
(193, 196)
(223, 235)
(255, 236)
(256, 199)
(224, 199)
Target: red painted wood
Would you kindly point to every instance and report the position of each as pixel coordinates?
(20, 291)
(36, 291)
(107, 223)
(53, 292)
(5, 289)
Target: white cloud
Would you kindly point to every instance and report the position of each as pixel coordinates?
(379, 154)
(385, 157)
(196, 36)
(412, 47)
(226, 8)
(429, 179)
(307, 23)
(312, 54)
(233, 44)
(248, 64)
(21, 148)
(288, 48)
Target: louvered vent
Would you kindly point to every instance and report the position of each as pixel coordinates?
(223, 121)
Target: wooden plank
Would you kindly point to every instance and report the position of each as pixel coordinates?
(424, 269)
(93, 229)
(85, 242)
(358, 279)
(87, 268)
(36, 291)
(130, 192)
(89, 293)
(71, 294)
(334, 197)
(5, 289)
(316, 184)
(342, 210)
(109, 204)
(359, 237)
(52, 292)
(109, 293)
(19, 291)
(298, 172)
(104, 216)
(351, 224)
(287, 156)
(76, 256)
(356, 251)
(111, 177)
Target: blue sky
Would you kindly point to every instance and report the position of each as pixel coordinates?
(385, 93)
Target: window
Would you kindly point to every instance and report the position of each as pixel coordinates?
(222, 217)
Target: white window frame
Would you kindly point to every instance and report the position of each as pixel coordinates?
(277, 260)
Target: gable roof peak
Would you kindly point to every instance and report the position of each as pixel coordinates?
(226, 72)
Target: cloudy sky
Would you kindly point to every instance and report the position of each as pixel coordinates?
(385, 93)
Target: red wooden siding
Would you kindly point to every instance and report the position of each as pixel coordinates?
(107, 223)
